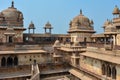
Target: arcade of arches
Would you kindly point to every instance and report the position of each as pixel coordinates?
(9, 61)
(109, 70)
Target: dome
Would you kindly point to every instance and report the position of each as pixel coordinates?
(31, 26)
(116, 10)
(48, 26)
(81, 19)
(12, 14)
(81, 23)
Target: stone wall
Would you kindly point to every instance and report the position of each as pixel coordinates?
(91, 64)
(33, 58)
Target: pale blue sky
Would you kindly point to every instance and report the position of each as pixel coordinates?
(60, 12)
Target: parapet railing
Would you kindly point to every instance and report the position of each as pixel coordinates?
(98, 45)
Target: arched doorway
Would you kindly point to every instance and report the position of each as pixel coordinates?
(9, 61)
(3, 62)
(103, 69)
(114, 73)
(15, 60)
(108, 71)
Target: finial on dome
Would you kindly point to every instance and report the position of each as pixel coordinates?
(12, 4)
(80, 11)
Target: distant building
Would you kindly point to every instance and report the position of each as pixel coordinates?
(78, 55)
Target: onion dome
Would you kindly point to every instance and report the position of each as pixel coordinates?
(106, 23)
(31, 25)
(57, 44)
(13, 16)
(48, 25)
(116, 10)
(81, 23)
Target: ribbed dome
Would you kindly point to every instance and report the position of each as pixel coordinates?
(13, 16)
(116, 10)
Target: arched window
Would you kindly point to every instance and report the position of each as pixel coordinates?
(15, 61)
(9, 61)
(103, 69)
(114, 73)
(108, 71)
(3, 62)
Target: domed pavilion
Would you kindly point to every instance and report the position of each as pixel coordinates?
(81, 28)
(11, 25)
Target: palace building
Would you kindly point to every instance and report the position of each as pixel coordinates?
(78, 55)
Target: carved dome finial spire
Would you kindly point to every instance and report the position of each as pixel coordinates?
(80, 11)
(12, 4)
